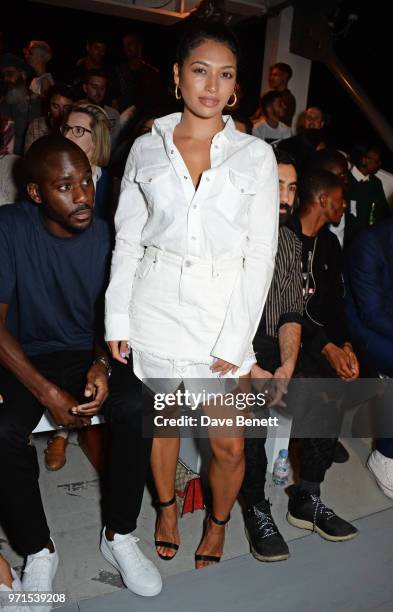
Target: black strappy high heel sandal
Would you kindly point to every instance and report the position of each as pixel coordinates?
(210, 558)
(171, 545)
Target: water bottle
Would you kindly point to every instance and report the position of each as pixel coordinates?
(281, 468)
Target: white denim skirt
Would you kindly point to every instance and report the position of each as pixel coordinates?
(178, 306)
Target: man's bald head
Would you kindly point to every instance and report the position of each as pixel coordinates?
(42, 151)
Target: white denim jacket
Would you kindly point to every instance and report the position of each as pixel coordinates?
(233, 213)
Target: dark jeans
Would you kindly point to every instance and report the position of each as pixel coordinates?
(21, 509)
(316, 454)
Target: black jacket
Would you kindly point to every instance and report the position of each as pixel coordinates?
(324, 314)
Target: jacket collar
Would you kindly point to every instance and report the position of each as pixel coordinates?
(165, 126)
(295, 225)
(358, 175)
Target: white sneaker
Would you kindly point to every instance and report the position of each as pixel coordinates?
(15, 588)
(382, 468)
(139, 574)
(39, 572)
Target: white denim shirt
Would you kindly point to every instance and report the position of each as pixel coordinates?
(233, 213)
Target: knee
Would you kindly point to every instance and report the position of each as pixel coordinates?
(229, 452)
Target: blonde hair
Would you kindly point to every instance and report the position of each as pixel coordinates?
(101, 128)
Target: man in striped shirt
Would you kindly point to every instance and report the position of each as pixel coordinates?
(276, 345)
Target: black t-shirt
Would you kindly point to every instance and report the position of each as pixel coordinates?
(53, 286)
(308, 244)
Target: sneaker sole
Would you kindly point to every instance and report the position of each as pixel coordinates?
(260, 557)
(301, 524)
(138, 591)
(385, 490)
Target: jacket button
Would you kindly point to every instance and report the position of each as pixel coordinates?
(187, 264)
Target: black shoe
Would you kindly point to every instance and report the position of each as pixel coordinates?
(307, 511)
(266, 542)
(341, 454)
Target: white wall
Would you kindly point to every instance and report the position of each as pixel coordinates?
(277, 41)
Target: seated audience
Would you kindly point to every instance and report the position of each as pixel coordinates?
(303, 146)
(270, 128)
(279, 75)
(276, 345)
(370, 319)
(95, 88)
(335, 162)
(138, 83)
(365, 195)
(37, 54)
(58, 103)
(88, 126)
(95, 59)
(19, 103)
(55, 259)
(326, 348)
(310, 119)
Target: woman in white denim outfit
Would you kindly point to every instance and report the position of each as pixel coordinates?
(195, 246)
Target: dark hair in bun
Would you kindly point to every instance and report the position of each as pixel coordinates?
(208, 22)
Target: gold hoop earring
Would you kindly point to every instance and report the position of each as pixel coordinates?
(234, 101)
(177, 96)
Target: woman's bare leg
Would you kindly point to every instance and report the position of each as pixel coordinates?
(226, 477)
(165, 452)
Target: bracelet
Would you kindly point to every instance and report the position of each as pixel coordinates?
(105, 363)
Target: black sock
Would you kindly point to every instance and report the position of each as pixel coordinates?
(312, 487)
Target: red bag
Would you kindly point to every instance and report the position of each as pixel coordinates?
(188, 489)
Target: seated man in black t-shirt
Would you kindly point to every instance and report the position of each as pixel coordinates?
(54, 261)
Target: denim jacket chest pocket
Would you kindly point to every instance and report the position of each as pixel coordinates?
(151, 179)
(237, 194)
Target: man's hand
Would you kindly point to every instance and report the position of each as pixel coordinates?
(279, 386)
(352, 359)
(342, 360)
(60, 404)
(96, 388)
(259, 377)
(119, 350)
(222, 367)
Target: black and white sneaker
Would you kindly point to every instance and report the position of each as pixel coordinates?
(307, 511)
(266, 542)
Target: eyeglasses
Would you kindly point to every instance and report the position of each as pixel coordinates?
(77, 130)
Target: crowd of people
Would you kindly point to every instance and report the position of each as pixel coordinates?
(223, 246)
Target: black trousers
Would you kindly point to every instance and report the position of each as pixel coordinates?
(316, 454)
(21, 509)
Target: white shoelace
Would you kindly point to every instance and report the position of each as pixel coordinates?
(129, 546)
(265, 521)
(319, 507)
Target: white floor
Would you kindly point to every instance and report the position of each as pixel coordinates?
(71, 499)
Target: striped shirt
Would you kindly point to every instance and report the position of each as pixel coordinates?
(284, 302)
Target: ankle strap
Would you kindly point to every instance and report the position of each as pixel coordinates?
(217, 521)
(161, 504)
